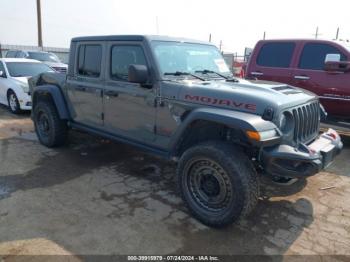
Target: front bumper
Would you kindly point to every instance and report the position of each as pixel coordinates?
(25, 102)
(305, 160)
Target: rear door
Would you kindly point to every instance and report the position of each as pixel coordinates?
(85, 87)
(273, 61)
(310, 75)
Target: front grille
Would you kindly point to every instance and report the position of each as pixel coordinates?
(60, 69)
(307, 122)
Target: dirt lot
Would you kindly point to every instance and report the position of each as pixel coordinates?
(94, 196)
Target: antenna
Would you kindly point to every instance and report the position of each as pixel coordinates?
(317, 34)
(337, 35)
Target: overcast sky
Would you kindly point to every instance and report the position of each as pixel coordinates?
(237, 23)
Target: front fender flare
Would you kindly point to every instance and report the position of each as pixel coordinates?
(233, 119)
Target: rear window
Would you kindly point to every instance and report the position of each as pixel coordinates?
(44, 57)
(314, 54)
(276, 54)
(89, 60)
(11, 54)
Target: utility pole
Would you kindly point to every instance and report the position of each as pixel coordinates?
(220, 45)
(40, 35)
(264, 37)
(157, 25)
(209, 37)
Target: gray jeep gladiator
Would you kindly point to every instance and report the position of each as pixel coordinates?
(178, 99)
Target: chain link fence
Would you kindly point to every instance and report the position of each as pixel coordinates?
(62, 53)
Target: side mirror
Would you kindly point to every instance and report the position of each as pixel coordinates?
(333, 64)
(2, 74)
(332, 58)
(138, 74)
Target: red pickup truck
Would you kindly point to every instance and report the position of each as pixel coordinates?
(319, 66)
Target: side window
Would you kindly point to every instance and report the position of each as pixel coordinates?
(314, 55)
(89, 60)
(11, 54)
(20, 54)
(2, 68)
(276, 54)
(122, 56)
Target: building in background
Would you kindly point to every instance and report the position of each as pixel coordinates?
(237, 62)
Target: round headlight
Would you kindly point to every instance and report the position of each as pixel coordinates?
(286, 122)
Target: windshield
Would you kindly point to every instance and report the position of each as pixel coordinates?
(18, 69)
(188, 58)
(44, 57)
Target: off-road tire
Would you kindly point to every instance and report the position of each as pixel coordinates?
(13, 103)
(50, 129)
(239, 182)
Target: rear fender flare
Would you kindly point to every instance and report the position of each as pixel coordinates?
(58, 98)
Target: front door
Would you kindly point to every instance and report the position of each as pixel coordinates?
(310, 75)
(86, 86)
(129, 108)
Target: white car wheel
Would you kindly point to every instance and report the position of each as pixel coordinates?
(13, 103)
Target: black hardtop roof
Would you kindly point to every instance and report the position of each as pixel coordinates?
(137, 38)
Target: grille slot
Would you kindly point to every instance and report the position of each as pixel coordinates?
(307, 121)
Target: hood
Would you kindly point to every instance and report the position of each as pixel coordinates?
(54, 64)
(246, 95)
(22, 82)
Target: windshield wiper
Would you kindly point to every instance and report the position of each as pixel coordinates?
(19, 76)
(179, 73)
(206, 71)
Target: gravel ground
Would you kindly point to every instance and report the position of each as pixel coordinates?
(94, 196)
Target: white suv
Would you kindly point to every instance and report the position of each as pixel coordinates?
(14, 75)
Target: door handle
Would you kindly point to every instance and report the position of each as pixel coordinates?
(81, 88)
(302, 77)
(111, 93)
(257, 73)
